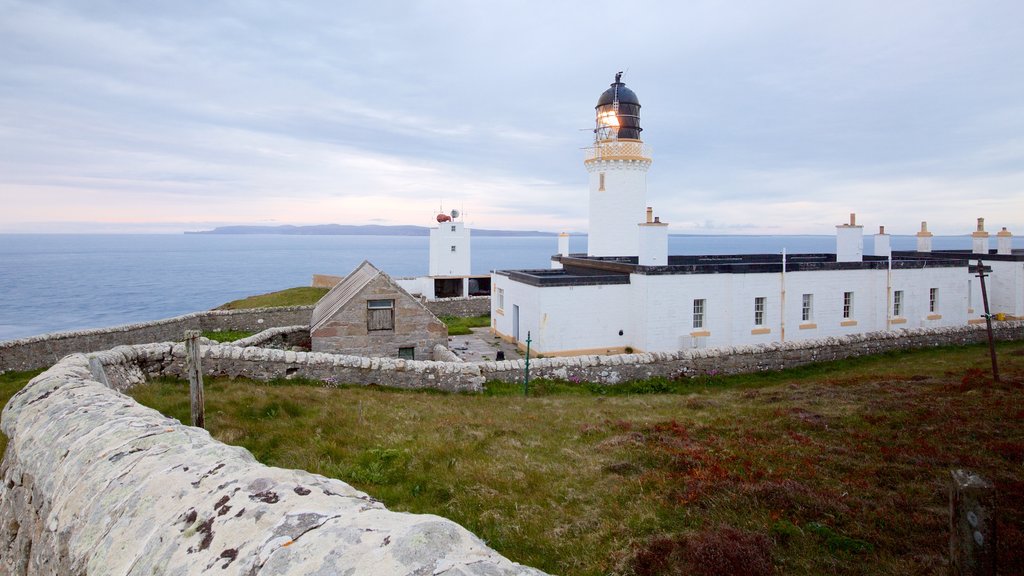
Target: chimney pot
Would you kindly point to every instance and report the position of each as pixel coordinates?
(657, 219)
(650, 214)
(853, 219)
(981, 224)
(881, 229)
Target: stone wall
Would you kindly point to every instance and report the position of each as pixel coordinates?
(283, 337)
(267, 364)
(741, 359)
(460, 307)
(127, 366)
(94, 483)
(41, 351)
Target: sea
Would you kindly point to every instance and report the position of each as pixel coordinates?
(61, 282)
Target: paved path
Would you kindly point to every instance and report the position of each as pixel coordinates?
(480, 346)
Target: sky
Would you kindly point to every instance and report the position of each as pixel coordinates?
(776, 117)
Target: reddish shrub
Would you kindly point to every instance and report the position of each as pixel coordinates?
(722, 550)
(1010, 552)
(1012, 451)
(729, 550)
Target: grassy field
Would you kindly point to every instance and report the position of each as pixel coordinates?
(831, 469)
(226, 335)
(460, 326)
(300, 296)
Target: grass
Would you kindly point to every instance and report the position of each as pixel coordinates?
(10, 383)
(302, 295)
(226, 335)
(461, 326)
(835, 468)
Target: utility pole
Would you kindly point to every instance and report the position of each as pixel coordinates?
(988, 321)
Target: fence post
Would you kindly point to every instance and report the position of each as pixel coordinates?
(972, 525)
(195, 377)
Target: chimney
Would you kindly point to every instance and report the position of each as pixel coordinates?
(850, 241)
(1004, 242)
(653, 241)
(883, 247)
(563, 250)
(924, 239)
(979, 238)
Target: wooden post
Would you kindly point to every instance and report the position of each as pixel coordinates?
(988, 322)
(195, 377)
(972, 525)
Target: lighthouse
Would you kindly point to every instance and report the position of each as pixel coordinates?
(617, 165)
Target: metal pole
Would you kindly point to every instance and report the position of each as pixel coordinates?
(526, 376)
(988, 322)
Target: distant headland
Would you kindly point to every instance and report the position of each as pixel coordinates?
(356, 230)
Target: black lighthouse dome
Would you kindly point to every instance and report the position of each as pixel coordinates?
(618, 113)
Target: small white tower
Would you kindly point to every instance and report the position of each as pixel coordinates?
(979, 239)
(449, 246)
(924, 239)
(883, 245)
(617, 165)
(1004, 242)
(850, 241)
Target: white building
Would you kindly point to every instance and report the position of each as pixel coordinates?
(449, 273)
(627, 294)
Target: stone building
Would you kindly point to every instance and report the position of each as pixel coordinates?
(368, 314)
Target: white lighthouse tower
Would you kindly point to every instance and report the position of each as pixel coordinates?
(617, 165)
(449, 246)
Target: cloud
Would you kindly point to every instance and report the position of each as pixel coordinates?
(780, 117)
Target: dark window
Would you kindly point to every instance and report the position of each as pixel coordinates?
(447, 287)
(380, 315)
(407, 353)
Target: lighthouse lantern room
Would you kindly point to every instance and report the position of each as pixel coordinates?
(617, 164)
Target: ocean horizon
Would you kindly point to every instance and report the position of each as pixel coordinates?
(63, 282)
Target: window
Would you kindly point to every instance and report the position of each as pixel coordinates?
(600, 184)
(380, 315)
(897, 303)
(499, 293)
(407, 353)
(698, 313)
(807, 311)
(847, 304)
(453, 228)
(759, 310)
(453, 247)
(933, 300)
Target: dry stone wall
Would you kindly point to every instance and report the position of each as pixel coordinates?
(283, 337)
(44, 350)
(41, 351)
(94, 483)
(460, 307)
(741, 359)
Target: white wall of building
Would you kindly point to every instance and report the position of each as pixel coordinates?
(449, 250)
(655, 312)
(1006, 288)
(562, 318)
(616, 209)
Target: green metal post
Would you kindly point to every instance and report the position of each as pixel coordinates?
(526, 378)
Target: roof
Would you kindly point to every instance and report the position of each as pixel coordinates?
(583, 270)
(618, 93)
(342, 293)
